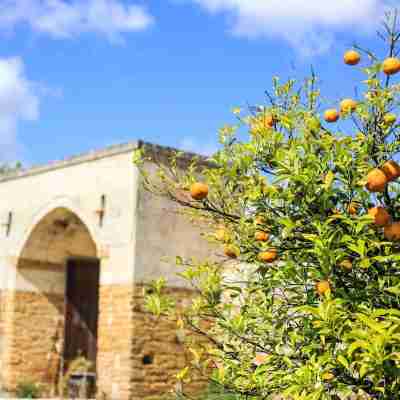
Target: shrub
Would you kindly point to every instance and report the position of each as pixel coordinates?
(28, 389)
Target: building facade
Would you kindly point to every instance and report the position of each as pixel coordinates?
(79, 240)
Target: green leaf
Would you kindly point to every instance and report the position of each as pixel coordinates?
(328, 180)
(394, 290)
(356, 345)
(343, 361)
(364, 370)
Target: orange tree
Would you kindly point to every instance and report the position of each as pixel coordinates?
(308, 216)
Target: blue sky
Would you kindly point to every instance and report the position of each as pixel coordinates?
(77, 75)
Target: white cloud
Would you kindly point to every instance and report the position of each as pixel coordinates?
(18, 101)
(191, 144)
(65, 19)
(308, 25)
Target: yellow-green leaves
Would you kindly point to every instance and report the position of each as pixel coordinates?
(328, 180)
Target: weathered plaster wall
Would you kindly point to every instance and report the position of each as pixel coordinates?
(162, 232)
(77, 186)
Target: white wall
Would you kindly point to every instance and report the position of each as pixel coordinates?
(79, 187)
(164, 233)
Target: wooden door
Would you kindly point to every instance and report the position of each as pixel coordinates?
(81, 310)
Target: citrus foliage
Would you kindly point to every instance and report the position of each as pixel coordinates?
(311, 309)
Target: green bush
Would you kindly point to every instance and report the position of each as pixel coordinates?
(28, 389)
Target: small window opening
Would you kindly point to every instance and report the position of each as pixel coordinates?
(147, 359)
(149, 290)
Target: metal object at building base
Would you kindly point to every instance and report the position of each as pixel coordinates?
(82, 385)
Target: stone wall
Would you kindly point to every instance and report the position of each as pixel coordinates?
(1, 331)
(33, 324)
(138, 355)
(157, 353)
(33, 331)
(114, 357)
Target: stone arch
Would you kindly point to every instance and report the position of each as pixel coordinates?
(58, 203)
(57, 237)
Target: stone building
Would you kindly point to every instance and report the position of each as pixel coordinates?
(79, 240)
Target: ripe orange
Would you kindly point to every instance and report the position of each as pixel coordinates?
(376, 180)
(351, 57)
(346, 264)
(269, 120)
(348, 105)
(220, 234)
(391, 170)
(331, 115)
(260, 358)
(391, 66)
(231, 251)
(389, 119)
(268, 256)
(392, 231)
(199, 191)
(380, 215)
(261, 236)
(352, 208)
(323, 287)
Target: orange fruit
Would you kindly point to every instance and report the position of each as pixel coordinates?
(391, 66)
(269, 120)
(376, 180)
(199, 191)
(392, 231)
(331, 115)
(348, 105)
(352, 208)
(351, 57)
(389, 118)
(220, 234)
(391, 170)
(261, 236)
(260, 358)
(268, 256)
(231, 251)
(346, 264)
(380, 215)
(323, 287)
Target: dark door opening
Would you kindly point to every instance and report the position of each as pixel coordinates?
(81, 310)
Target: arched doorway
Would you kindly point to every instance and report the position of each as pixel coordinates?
(55, 305)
